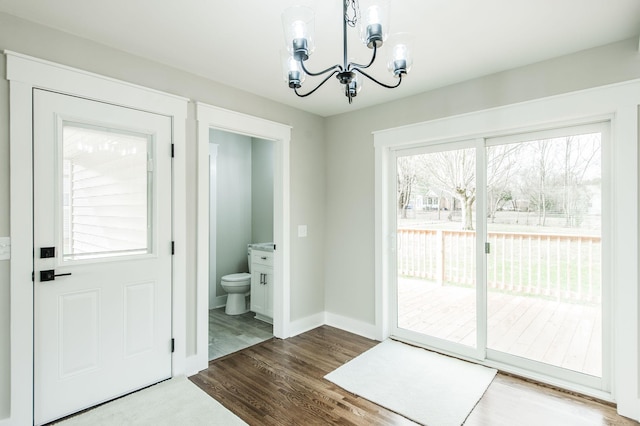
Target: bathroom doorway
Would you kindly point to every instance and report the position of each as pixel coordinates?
(211, 117)
(241, 212)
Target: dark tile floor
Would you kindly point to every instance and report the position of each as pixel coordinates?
(231, 333)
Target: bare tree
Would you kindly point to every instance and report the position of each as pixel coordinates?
(556, 175)
(407, 178)
(580, 157)
(542, 167)
(454, 172)
(501, 162)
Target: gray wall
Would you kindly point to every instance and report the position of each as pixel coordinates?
(233, 216)
(306, 156)
(262, 161)
(349, 210)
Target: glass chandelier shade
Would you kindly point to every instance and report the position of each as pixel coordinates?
(371, 17)
(401, 55)
(298, 26)
(374, 22)
(293, 73)
(353, 87)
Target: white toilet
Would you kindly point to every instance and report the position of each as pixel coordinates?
(238, 287)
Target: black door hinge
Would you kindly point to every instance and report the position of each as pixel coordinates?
(173, 345)
(173, 150)
(173, 247)
(274, 247)
(33, 276)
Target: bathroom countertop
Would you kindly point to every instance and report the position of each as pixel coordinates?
(262, 246)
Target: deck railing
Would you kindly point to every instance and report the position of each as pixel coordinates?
(561, 267)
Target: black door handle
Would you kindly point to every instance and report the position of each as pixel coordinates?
(50, 275)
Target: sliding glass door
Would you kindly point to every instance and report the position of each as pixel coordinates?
(528, 293)
(436, 245)
(544, 267)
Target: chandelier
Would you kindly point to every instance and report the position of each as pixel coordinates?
(373, 23)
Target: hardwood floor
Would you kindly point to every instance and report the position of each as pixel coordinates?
(280, 382)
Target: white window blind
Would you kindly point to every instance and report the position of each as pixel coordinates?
(106, 179)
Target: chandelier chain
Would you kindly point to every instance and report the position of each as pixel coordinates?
(352, 21)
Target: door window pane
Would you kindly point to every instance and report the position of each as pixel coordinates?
(106, 182)
(436, 243)
(544, 271)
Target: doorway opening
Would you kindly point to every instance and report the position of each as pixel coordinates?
(214, 119)
(241, 170)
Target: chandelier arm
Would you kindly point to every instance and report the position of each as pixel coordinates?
(302, 95)
(376, 81)
(353, 65)
(335, 68)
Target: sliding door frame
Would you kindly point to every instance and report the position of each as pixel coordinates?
(547, 370)
(476, 353)
(482, 352)
(617, 104)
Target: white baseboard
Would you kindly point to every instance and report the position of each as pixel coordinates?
(351, 325)
(218, 302)
(305, 324)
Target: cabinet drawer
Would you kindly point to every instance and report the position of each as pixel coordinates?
(262, 257)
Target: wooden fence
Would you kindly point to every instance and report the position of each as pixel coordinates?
(560, 267)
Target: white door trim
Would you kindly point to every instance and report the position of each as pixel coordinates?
(617, 102)
(209, 117)
(24, 74)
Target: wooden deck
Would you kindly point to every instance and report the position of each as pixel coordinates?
(557, 333)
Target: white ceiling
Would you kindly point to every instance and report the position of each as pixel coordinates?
(238, 43)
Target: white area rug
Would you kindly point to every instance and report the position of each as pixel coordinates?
(423, 386)
(173, 402)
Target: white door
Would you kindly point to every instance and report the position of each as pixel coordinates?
(436, 297)
(102, 252)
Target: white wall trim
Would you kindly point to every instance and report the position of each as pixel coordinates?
(192, 365)
(619, 101)
(364, 329)
(24, 74)
(351, 325)
(305, 324)
(214, 299)
(211, 117)
(218, 301)
(503, 120)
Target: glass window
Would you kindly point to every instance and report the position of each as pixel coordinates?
(106, 183)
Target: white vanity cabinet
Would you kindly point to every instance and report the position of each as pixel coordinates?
(262, 284)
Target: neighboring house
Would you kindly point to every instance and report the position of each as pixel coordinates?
(433, 200)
